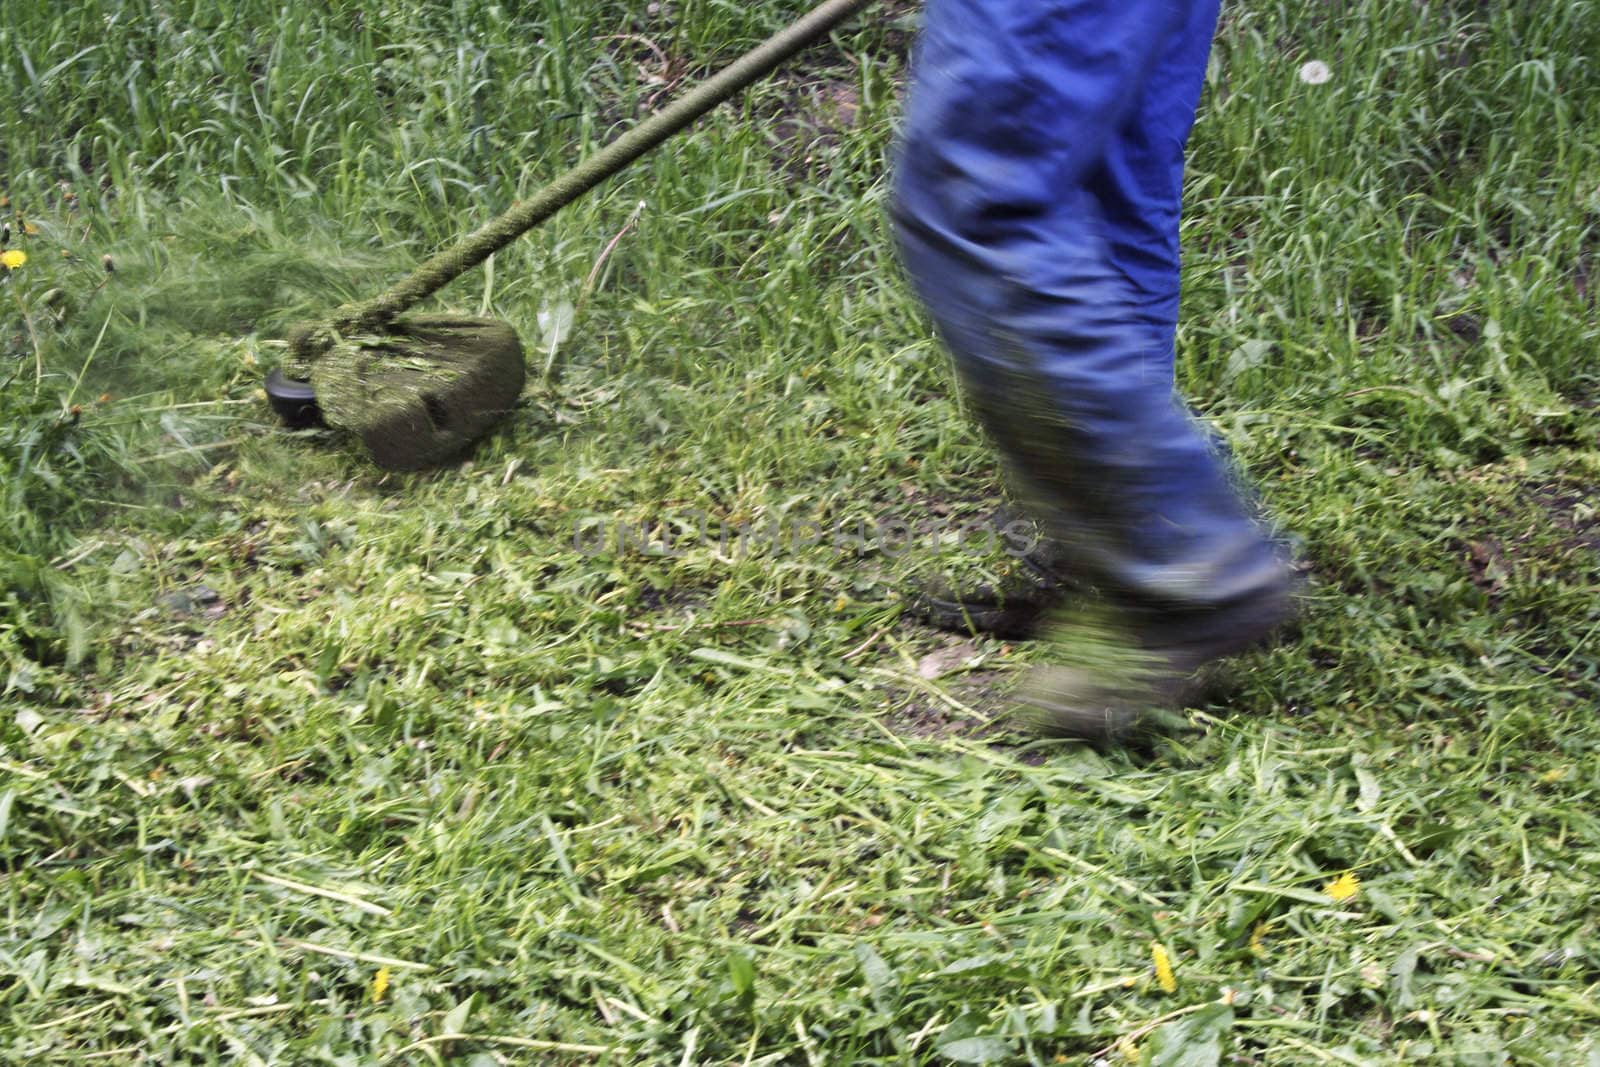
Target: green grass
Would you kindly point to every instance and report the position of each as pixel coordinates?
(274, 720)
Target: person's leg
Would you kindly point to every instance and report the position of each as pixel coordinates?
(1138, 188)
(1139, 183)
(1036, 207)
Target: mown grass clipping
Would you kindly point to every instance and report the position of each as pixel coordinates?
(611, 742)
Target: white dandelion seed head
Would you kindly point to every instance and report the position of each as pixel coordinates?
(1315, 72)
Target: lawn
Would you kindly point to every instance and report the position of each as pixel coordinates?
(306, 763)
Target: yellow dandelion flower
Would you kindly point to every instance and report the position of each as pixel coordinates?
(380, 985)
(1130, 1051)
(1258, 940)
(1343, 887)
(1163, 964)
(12, 258)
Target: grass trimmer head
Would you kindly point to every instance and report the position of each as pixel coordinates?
(422, 389)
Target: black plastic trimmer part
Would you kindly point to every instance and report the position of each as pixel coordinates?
(294, 401)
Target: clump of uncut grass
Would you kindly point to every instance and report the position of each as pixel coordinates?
(305, 763)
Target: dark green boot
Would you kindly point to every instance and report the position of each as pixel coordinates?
(1165, 658)
(1013, 603)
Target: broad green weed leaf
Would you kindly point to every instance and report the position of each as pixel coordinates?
(1192, 1042)
(879, 975)
(741, 972)
(455, 1021)
(976, 1050)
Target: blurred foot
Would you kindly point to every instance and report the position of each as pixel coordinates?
(1167, 658)
(1013, 604)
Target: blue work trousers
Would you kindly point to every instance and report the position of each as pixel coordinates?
(1036, 204)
